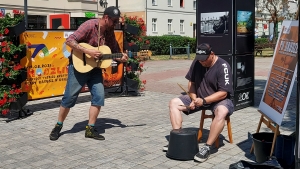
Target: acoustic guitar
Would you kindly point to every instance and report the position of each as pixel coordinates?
(84, 63)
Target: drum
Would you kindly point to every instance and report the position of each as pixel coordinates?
(183, 144)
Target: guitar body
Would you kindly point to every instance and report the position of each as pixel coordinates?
(84, 63)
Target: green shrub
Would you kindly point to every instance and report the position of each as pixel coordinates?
(160, 45)
(261, 40)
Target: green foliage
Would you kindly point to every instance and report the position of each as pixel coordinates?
(261, 40)
(160, 45)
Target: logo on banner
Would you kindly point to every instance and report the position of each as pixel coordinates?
(243, 96)
(286, 30)
(67, 34)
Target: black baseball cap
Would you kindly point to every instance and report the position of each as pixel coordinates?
(112, 12)
(203, 51)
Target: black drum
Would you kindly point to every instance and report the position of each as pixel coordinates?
(183, 144)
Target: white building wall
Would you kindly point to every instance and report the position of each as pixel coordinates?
(162, 12)
(45, 7)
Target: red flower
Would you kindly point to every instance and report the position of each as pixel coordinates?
(5, 111)
(3, 50)
(128, 68)
(7, 74)
(13, 85)
(147, 42)
(4, 44)
(6, 31)
(144, 81)
(15, 56)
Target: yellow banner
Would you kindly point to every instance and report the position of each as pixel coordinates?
(46, 62)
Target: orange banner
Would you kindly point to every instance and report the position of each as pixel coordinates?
(47, 62)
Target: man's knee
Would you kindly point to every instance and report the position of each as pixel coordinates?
(221, 112)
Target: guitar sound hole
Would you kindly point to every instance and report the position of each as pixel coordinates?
(84, 59)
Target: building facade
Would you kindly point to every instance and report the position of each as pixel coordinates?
(39, 10)
(168, 17)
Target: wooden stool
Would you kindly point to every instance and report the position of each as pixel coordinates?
(204, 116)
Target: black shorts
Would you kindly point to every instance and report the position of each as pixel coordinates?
(226, 102)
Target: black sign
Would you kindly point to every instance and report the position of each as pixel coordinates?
(244, 72)
(214, 25)
(243, 98)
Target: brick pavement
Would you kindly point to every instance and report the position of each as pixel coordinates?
(135, 128)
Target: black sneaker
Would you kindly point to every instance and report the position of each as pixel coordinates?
(91, 132)
(54, 135)
(203, 154)
(165, 148)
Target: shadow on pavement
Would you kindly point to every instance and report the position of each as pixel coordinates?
(101, 125)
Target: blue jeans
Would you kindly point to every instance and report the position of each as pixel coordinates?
(77, 80)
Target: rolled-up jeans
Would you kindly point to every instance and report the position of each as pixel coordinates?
(77, 80)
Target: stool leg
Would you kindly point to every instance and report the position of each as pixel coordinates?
(201, 126)
(229, 130)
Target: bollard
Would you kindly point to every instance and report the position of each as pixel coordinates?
(188, 50)
(170, 51)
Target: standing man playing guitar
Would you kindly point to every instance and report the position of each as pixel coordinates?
(94, 32)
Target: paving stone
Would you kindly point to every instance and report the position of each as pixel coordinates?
(136, 128)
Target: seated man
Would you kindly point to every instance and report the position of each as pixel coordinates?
(210, 87)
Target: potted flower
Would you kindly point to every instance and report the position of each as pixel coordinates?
(11, 72)
(133, 75)
(8, 95)
(135, 64)
(12, 26)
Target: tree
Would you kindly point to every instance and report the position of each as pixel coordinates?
(278, 11)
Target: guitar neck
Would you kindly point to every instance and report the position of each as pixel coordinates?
(118, 55)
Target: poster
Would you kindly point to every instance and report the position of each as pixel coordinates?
(47, 62)
(282, 74)
(244, 72)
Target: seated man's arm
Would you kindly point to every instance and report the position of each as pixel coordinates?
(192, 90)
(220, 95)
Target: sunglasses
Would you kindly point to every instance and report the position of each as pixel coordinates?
(114, 20)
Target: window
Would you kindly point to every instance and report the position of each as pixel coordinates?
(181, 4)
(154, 25)
(181, 25)
(195, 4)
(154, 2)
(169, 25)
(169, 2)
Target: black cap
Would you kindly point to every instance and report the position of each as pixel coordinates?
(112, 12)
(203, 51)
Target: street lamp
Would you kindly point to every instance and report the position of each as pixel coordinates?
(103, 3)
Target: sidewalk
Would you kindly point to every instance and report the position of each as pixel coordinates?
(135, 128)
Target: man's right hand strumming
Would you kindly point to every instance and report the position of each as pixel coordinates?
(94, 53)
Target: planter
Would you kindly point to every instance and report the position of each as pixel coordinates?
(16, 30)
(134, 66)
(21, 54)
(19, 103)
(132, 84)
(19, 79)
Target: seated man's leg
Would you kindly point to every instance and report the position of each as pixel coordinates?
(175, 112)
(175, 108)
(220, 110)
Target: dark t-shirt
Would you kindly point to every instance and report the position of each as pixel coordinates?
(211, 80)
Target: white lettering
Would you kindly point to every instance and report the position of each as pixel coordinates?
(243, 96)
(226, 75)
